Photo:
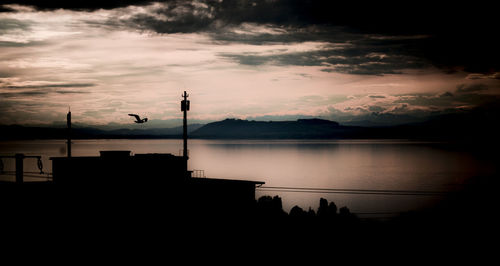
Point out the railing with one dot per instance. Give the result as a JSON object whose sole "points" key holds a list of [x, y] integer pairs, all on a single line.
{"points": [[19, 172], [198, 173]]}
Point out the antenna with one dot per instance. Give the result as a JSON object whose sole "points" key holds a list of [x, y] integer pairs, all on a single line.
{"points": [[68, 122], [184, 108]]}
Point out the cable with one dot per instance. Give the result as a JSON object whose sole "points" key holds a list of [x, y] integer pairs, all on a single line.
{"points": [[353, 191]]}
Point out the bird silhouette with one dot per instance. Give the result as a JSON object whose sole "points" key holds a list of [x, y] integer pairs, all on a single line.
{"points": [[138, 119]]}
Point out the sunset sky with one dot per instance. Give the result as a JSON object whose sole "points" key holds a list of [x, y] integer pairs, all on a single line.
{"points": [[262, 59]]}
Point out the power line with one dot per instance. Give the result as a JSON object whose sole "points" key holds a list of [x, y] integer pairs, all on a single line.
{"points": [[353, 191]]}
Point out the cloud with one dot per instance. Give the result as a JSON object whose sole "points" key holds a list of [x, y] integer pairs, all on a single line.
{"points": [[410, 106], [466, 44], [70, 92], [174, 17], [12, 31], [23, 94], [38, 89], [343, 51], [466, 96], [475, 76], [373, 116], [467, 88], [87, 5], [343, 60], [100, 112], [36, 93], [376, 109], [51, 85], [274, 58], [9, 24], [400, 109], [446, 94]]}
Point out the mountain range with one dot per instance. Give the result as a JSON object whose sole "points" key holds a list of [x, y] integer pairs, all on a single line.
{"points": [[301, 128], [30, 132], [479, 123]]}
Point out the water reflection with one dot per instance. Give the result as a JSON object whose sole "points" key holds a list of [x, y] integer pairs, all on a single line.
{"points": [[352, 164]]}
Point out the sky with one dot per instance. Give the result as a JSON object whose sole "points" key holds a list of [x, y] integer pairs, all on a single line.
{"points": [[259, 60]]}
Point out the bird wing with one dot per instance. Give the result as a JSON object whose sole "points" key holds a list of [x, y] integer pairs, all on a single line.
{"points": [[136, 116]]}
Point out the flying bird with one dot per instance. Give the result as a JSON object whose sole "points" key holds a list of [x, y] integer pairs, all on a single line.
{"points": [[138, 119]]}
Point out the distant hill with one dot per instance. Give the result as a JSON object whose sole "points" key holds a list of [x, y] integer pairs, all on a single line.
{"points": [[27, 132], [478, 124], [300, 129], [154, 131]]}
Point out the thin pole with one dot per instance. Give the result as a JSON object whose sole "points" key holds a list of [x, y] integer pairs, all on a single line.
{"points": [[68, 121], [19, 167], [184, 124]]}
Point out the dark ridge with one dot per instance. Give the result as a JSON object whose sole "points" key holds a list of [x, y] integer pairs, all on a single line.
{"points": [[237, 128], [27, 132], [478, 125], [472, 125]]}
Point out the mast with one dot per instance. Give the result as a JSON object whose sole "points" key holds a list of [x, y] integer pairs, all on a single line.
{"points": [[68, 122], [185, 108]]}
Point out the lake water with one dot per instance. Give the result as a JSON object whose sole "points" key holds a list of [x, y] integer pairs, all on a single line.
{"points": [[338, 164]]}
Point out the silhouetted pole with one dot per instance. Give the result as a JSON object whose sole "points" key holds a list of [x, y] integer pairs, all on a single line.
{"points": [[68, 121], [185, 108], [19, 167]]}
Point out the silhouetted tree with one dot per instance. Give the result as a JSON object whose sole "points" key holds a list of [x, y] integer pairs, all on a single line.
{"points": [[329, 215], [268, 206], [323, 208], [311, 212], [344, 212], [277, 203], [296, 211], [326, 210], [332, 209], [346, 217]]}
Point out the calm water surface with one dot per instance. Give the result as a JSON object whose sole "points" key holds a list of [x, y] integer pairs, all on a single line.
{"points": [[348, 164]]}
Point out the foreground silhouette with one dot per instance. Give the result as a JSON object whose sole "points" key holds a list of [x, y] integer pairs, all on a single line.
{"points": [[173, 215]]}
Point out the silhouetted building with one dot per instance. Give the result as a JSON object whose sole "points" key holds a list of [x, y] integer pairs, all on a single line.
{"points": [[158, 177], [152, 180], [114, 167]]}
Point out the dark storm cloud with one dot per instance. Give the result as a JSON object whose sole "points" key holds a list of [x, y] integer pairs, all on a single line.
{"points": [[24, 93], [466, 95], [36, 93], [356, 60], [446, 100], [87, 5], [14, 91], [71, 92], [376, 109], [65, 85], [459, 36], [349, 52], [476, 76], [8, 24], [182, 19], [284, 34], [466, 88], [19, 44], [446, 94], [452, 41]]}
